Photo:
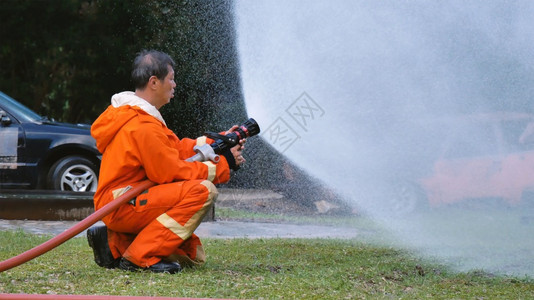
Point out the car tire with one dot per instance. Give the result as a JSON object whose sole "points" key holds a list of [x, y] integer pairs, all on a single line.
{"points": [[406, 198], [73, 173]]}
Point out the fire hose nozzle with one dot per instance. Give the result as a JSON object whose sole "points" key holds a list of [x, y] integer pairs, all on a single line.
{"points": [[249, 128], [204, 153]]}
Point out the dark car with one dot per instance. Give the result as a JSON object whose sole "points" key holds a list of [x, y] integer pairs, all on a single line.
{"points": [[39, 153]]}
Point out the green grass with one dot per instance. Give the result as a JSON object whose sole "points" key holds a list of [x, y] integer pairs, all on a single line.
{"points": [[497, 239], [258, 269]]}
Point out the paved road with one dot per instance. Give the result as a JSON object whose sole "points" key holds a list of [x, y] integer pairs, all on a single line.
{"points": [[216, 229]]}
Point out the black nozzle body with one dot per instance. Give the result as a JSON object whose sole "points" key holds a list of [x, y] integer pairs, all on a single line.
{"points": [[249, 128]]}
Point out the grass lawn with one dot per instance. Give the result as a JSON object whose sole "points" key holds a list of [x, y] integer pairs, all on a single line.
{"points": [[258, 269]]}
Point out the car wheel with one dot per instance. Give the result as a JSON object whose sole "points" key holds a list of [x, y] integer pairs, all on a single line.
{"points": [[405, 198], [73, 173]]}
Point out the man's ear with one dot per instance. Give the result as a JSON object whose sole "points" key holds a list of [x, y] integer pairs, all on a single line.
{"points": [[152, 82]]}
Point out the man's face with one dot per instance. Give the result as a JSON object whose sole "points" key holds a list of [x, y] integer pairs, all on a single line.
{"points": [[166, 88]]}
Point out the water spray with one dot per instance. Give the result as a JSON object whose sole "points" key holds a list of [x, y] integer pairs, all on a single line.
{"points": [[207, 152]]}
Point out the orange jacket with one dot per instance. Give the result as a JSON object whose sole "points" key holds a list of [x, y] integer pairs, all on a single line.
{"points": [[137, 145]]}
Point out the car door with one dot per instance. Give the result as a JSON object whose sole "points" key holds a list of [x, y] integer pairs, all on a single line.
{"points": [[12, 171], [517, 174], [470, 166]]}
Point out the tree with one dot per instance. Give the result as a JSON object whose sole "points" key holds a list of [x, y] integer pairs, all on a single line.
{"points": [[65, 59], [70, 70]]}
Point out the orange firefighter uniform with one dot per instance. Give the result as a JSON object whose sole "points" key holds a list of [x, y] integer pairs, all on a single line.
{"points": [[159, 223]]}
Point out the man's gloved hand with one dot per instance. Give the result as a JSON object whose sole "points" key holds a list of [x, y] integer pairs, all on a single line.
{"points": [[236, 152]]}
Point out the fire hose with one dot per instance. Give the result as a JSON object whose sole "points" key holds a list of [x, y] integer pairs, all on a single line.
{"points": [[205, 152]]}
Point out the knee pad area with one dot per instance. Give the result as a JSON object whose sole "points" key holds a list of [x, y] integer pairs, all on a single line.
{"points": [[212, 190]]}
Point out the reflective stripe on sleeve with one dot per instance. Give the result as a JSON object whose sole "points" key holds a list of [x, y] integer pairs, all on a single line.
{"points": [[212, 170], [201, 140]]}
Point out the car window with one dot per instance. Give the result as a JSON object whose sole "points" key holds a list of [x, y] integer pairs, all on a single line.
{"points": [[472, 140], [513, 135], [18, 109]]}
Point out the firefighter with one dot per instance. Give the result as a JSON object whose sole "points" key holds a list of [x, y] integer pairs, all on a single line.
{"points": [[154, 231]]}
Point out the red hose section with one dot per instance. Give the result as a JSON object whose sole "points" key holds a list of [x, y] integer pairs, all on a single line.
{"points": [[82, 297], [74, 230]]}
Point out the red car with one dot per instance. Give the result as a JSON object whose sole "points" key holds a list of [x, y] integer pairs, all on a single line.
{"points": [[485, 156]]}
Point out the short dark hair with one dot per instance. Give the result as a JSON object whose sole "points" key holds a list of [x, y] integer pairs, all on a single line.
{"points": [[150, 63]]}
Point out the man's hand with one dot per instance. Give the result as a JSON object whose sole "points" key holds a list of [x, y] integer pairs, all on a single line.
{"points": [[237, 150]]}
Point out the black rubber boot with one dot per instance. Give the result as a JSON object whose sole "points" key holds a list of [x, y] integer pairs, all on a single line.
{"points": [[160, 267], [97, 237]]}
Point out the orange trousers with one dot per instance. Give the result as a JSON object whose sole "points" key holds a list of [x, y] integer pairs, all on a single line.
{"points": [[161, 223]]}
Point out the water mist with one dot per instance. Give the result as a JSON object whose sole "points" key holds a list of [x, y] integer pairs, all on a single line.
{"points": [[354, 92]]}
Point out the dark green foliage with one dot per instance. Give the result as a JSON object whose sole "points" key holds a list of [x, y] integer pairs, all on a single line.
{"points": [[65, 59]]}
